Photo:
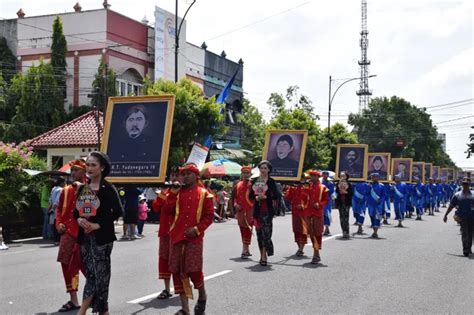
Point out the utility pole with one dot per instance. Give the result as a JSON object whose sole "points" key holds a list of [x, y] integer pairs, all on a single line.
{"points": [[177, 31], [329, 107]]}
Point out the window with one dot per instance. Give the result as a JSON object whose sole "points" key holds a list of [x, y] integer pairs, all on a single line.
{"points": [[125, 87]]}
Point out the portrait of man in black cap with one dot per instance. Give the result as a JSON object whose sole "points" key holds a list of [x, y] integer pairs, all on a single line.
{"points": [[283, 163], [378, 163]]}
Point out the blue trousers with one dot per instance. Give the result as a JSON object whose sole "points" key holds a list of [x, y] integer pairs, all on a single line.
{"points": [[327, 213], [359, 210], [47, 232], [430, 201], [375, 213], [387, 210], [399, 206], [418, 203]]}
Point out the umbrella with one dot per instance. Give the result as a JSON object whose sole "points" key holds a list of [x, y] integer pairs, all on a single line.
{"points": [[220, 168]]}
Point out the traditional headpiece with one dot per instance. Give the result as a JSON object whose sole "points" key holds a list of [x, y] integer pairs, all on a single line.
{"points": [[375, 175], [191, 168], [246, 168], [314, 173], [79, 163]]}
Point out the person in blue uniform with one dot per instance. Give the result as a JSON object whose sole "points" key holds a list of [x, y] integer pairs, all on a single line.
{"points": [[419, 197], [376, 203], [444, 199], [411, 201], [386, 209], [439, 194], [430, 196], [359, 204], [400, 193], [328, 209]]}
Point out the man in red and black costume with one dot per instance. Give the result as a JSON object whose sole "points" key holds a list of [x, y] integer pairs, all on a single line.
{"points": [[163, 234], [67, 227], [243, 207], [193, 211], [298, 197], [318, 198]]}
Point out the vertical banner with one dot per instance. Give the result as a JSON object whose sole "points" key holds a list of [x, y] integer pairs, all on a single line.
{"points": [[198, 155]]}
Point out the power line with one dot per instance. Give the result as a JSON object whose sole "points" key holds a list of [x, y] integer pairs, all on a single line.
{"points": [[442, 122]]}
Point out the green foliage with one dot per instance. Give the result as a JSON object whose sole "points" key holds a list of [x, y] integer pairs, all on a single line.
{"points": [[387, 120], [103, 86], [194, 115], [7, 61], [299, 115], [18, 190], [253, 132], [338, 134], [58, 55], [38, 103]]}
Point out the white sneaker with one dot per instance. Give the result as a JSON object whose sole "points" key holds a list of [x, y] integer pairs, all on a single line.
{"points": [[3, 246], [138, 236]]}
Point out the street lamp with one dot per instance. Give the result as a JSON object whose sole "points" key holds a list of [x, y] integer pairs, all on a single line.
{"points": [[176, 37], [331, 96]]}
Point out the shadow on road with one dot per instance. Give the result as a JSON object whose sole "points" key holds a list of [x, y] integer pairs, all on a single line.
{"points": [[462, 256], [258, 268], [159, 304]]}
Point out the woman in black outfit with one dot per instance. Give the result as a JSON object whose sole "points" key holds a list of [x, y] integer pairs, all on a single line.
{"points": [[97, 207], [264, 191], [343, 202]]}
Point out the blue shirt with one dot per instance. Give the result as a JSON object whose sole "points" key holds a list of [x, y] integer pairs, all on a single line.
{"points": [[402, 189], [362, 189], [379, 190], [464, 204], [419, 190]]}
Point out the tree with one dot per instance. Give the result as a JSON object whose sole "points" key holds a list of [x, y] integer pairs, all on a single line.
{"points": [[58, 55], [300, 116], [253, 130], [338, 134], [387, 121], [3, 107], [103, 86], [38, 103], [7, 61], [195, 116]]}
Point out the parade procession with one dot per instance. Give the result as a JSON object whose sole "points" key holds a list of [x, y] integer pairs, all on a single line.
{"points": [[138, 175]]}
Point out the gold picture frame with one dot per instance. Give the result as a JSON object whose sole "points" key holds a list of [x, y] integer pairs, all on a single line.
{"points": [[290, 167], [133, 147], [386, 156], [428, 166], [394, 168], [421, 166], [436, 170], [354, 168]]}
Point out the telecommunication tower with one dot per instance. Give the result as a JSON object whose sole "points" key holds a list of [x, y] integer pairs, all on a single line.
{"points": [[364, 93]]}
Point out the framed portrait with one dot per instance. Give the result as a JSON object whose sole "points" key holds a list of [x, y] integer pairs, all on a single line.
{"points": [[460, 175], [285, 149], [444, 173], [418, 171], [450, 175], [402, 167], [352, 159], [436, 172], [428, 171], [136, 137], [379, 163]]}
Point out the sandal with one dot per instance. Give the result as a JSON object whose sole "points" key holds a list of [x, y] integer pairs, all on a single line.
{"points": [[263, 263], [316, 259], [165, 294], [200, 307], [244, 256], [181, 312], [69, 306], [299, 253]]}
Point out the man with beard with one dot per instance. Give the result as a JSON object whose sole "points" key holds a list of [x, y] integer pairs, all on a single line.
{"points": [[68, 228], [351, 166], [134, 145]]}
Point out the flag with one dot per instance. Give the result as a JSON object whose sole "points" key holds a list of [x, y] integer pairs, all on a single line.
{"points": [[226, 90]]}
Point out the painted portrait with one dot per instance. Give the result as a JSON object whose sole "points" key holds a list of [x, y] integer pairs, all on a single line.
{"points": [[450, 174], [428, 171], [444, 174], [436, 172], [136, 137], [379, 163], [403, 168], [285, 149], [418, 172], [352, 159]]}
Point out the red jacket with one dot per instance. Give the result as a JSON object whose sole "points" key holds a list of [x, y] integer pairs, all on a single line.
{"points": [[165, 217], [318, 199], [66, 206], [298, 197], [191, 208], [241, 197]]}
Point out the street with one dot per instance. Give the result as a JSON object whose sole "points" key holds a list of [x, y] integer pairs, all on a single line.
{"points": [[416, 269]]}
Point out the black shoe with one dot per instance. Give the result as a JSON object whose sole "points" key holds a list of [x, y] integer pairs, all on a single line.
{"points": [[200, 307], [466, 254], [400, 225], [374, 235], [360, 230]]}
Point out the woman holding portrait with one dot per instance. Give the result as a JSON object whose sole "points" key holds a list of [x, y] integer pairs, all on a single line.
{"points": [[265, 192]]}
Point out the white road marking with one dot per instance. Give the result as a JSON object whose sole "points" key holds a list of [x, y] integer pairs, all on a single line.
{"points": [[154, 295], [18, 252], [28, 239], [325, 239]]}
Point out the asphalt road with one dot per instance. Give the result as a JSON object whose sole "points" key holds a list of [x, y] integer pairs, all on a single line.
{"points": [[417, 269]]}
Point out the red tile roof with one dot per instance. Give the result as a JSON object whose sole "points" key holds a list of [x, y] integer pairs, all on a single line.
{"points": [[79, 132]]}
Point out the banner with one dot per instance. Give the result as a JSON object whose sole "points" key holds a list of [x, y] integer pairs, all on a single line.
{"points": [[198, 155]]}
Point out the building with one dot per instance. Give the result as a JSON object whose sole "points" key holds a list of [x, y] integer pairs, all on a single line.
{"points": [[133, 49]]}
